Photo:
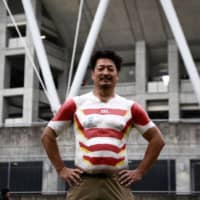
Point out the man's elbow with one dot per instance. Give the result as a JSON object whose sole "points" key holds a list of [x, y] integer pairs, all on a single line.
{"points": [[161, 142], [47, 134], [43, 137]]}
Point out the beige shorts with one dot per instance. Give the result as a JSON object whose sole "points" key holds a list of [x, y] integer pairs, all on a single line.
{"points": [[99, 188]]}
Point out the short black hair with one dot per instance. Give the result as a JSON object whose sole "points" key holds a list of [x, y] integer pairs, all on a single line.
{"points": [[106, 54]]}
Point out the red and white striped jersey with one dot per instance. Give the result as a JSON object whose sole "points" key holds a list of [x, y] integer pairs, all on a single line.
{"points": [[101, 129]]}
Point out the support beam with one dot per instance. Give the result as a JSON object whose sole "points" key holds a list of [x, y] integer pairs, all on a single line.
{"points": [[182, 45], [89, 46], [75, 45], [174, 83], [42, 57], [141, 55]]}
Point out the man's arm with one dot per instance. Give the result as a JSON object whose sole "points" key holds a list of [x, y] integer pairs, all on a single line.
{"points": [[49, 142], [155, 145], [48, 139]]}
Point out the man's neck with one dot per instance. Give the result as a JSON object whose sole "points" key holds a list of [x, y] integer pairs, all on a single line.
{"points": [[104, 94]]}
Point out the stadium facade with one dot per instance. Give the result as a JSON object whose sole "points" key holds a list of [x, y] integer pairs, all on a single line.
{"points": [[153, 74]]}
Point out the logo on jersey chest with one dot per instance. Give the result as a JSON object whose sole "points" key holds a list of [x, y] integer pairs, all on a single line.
{"points": [[105, 111]]}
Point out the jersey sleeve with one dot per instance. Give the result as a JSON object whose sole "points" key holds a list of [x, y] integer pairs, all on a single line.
{"points": [[64, 117], [140, 118]]}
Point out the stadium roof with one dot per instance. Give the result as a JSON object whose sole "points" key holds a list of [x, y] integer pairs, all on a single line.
{"points": [[126, 22]]}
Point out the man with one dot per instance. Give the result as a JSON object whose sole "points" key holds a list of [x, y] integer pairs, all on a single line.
{"points": [[102, 120], [5, 194]]}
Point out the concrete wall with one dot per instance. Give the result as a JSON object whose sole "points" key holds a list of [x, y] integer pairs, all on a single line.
{"points": [[182, 144], [137, 197]]}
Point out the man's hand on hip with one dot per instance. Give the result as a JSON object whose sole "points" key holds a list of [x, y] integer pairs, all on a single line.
{"points": [[127, 177], [70, 175]]}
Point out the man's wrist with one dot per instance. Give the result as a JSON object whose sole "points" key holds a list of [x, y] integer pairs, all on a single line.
{"points": [[59, 169], [141, 171]]}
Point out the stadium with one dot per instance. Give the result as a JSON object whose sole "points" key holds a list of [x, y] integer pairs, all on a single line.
{"points": [[45, 48]]}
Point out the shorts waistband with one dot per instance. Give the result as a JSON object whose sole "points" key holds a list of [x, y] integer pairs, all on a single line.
{"points": [[96, 175]]}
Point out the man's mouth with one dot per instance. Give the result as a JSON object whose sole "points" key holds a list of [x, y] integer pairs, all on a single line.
{"points": [[105, 78]]}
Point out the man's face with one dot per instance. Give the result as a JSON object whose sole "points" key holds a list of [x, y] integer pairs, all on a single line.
{"points": [[105, 74]]}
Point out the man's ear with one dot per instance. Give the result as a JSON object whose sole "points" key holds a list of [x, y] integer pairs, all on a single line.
{"points": [[117, 78], [92, 74]]}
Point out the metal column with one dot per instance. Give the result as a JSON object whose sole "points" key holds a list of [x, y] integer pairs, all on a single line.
{"points": [[75, 45], [87, 51], [42, 57], [182, 45]]}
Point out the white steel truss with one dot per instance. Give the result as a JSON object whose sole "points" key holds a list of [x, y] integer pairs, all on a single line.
{"points": [[75, 45], [182, 45], [88, 48], [42, 57]]}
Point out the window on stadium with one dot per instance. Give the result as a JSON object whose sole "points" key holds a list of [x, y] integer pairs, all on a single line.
{"points": [[160, 178], [3, 175], [21, 176], [15, 70], [16, 7], [195, 173]]}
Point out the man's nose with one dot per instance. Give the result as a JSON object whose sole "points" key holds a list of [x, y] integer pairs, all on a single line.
{"points": [[105, 71]]}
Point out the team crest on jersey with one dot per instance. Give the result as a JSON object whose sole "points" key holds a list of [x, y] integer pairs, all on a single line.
{"points": [[90, 122]]}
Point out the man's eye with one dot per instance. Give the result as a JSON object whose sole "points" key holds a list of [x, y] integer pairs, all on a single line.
{"points": [[100, 68], [111, 69]]}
